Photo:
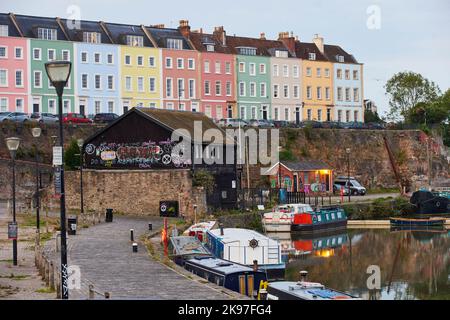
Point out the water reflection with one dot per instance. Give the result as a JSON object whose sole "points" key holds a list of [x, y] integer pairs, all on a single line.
{"points": [[414, 264]]}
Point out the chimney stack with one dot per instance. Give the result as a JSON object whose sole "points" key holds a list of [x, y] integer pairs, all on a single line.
{"points": [[288, 40], [262, 36], [318, 41], [220, 33], [184, 28]]}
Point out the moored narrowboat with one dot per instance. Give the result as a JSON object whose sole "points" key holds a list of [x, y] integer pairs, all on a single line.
{"points": [[246, 247], [185, 247], [322, 220], [233, 276], [421, 222]]}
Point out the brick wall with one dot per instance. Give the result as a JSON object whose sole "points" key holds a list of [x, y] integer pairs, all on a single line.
{"points": [[133, 191]]}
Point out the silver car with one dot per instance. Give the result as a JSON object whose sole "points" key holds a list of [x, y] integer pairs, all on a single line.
{"points": [[44, 117], [233, 123], [14, 117]]}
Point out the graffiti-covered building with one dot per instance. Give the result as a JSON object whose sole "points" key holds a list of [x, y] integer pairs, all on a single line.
{"points": [[156, 139]]}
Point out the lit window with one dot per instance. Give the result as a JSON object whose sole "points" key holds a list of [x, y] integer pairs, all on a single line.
{"points": [[92, 37], [135, 41], [176, 44], [47, 34]]}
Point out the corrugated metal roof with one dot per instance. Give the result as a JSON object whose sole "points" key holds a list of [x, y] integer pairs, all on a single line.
{"points": [[311, 165]]}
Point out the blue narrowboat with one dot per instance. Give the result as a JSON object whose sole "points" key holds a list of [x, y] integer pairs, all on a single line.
{"points": [[302, 290], [413, 222], [233, 276]]}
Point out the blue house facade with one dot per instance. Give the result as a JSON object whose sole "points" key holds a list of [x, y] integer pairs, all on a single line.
{"points": [[97, 82]]}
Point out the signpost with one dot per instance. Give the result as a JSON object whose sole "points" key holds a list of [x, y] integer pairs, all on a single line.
{"points": [[12, 230], [57, 155], [57, 181]]}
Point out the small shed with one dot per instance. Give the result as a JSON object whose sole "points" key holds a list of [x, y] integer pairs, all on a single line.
{"points": [[302, 176]]}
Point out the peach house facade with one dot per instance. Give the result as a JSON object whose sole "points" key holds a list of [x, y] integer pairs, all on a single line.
{"points": [[14, 74]]}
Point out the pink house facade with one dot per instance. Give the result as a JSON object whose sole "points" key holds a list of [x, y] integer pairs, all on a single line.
{"points": [[14, 73], [179, 80]]}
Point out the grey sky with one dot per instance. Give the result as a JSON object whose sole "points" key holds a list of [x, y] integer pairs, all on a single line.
{"points": [[414, 35]]}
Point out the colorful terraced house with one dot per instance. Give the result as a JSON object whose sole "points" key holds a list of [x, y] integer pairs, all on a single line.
{"points": [[14, 70], [119, 66]]}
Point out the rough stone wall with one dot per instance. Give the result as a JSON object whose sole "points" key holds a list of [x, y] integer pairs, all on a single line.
{"points": [[135, 192]]}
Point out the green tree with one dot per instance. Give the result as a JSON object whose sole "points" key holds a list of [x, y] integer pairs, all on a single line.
{"points": [[71, 156], [408, 89], [370, 116]]}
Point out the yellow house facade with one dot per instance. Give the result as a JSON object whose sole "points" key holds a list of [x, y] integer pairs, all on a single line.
{"points": [[317, 83], [140, 75]]}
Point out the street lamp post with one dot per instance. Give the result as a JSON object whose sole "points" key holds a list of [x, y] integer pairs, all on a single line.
{"points": [[348, 150], [80, 143], [13, 145], [58, 72], [36, 132]]}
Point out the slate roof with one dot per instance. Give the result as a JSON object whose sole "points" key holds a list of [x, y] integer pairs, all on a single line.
{"points": [[263, 47], [310, 165], [332, 51], [160, 35], [5, 20], [199, 41], [302, 50], [29, 25], [120, 31], [89, 26]]}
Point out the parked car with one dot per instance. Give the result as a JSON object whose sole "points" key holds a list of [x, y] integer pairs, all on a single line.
{"points": [[44, 117], [375, 126], [355, 187], [312, 124], [105, 117], [75, 118], [232, 123], [337, 189], [282, 124], [14, 117], [260, 123]]}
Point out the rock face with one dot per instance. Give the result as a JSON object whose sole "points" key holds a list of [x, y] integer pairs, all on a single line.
{"points": [[369, 158]]}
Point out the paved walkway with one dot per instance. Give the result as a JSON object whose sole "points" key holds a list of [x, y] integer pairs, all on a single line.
{"points": [[104, 254]]}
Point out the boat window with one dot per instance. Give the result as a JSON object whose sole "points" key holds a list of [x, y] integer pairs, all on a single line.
{"points": [[319, 218], [339, 214], [332, 215], [242, 285], [327, 217]]}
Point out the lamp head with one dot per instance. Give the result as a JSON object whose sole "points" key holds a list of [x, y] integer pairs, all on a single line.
{"points": [[58, 72], [12, 143], [36, 132], [80, 143]]}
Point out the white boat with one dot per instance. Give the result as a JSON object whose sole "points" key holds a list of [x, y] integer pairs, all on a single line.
{"points": [[303, 290], [282, 217], [246, 246], [198, 230]]}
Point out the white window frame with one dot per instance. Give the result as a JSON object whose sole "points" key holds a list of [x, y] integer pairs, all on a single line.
{"points": [[327, 93], [150, 81], [242, 89], [218, 67], [228, 88], [169, 80], [99, 104], [21, 53], [48, 54], [142, 60], [95, 81], [81, 57], [6, 52], [191, 62], [66, 101], [110, 54], [319, 93], [308, 71], [285, 71], [6, 105], [150, 59], [168, 59], [68, 54], [50, 108], [87, 81], [125, 60], [309, 92], [227, 67], [276, 70], [140, 84], [252, 85], [21, 76], [207, 88], [262, 68], [218, 85], [296, 92], [40, 54], [111, 102], [276, 91], [23, 102], [181, 88], [112, 82], [40, 79], [178, 63], [312, 56], [191, 88], [242, 64], [206, 67], [252, 69], [130, 88], [286, 91], [263, 93], [296, 71]]}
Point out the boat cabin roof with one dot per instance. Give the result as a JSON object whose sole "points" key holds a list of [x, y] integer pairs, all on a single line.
{"points": [[241, 236], [201, 226], [184, 245], [309, 290], [218, 265], [296, 206]]}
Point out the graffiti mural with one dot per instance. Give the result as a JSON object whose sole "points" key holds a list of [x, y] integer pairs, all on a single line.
{"points": [[145, 155]]}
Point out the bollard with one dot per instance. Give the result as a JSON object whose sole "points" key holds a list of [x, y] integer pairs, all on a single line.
{"points": [[132, 234], [91, 291], [150, 227], [135, 247], [109, 215], [52, 276], [107, 295]]}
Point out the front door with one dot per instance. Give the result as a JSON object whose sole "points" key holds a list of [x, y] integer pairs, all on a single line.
{"points": [[82, 109], [297, 115], [264, 112], [295, 186], [230, 112], [35, 107]]}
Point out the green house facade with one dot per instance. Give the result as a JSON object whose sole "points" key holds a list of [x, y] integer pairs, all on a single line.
{"points": [[253, 87], [43, 94]]}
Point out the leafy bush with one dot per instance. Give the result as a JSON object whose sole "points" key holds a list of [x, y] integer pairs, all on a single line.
{"points": [[71, 156]]}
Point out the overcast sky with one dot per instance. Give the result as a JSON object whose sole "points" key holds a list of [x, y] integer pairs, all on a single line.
{"points": [[411, 35]]}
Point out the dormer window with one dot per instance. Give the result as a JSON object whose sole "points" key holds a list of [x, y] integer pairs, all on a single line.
{"points": [[135, 41], [176, 44], [47, 34], [340, 58], [210, 47], [281, 54], [92, 37], [4, 30], [247, 51], [312, 56]]}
